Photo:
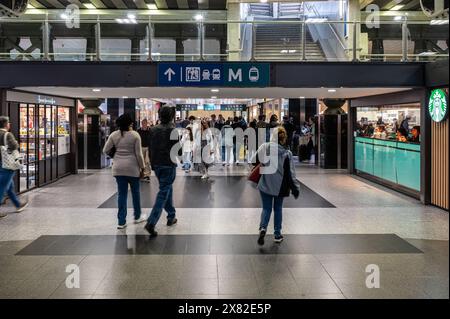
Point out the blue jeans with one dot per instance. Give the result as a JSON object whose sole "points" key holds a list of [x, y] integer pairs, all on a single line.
{"points": [[226, 153], [187, 156], [7, 186], [269, 202], [164, 200], [122, 186]]}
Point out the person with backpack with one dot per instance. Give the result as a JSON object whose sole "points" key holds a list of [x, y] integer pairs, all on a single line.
{"points": [[124, 146], [9, 144]]}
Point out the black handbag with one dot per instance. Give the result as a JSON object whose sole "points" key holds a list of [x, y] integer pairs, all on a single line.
{"points": [[113, 150]]}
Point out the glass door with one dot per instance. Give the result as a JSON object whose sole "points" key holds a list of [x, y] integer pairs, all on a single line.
{"points": [[27, 143]]}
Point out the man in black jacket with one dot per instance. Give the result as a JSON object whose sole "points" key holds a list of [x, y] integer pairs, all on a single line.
{"points": [[165, 169]]}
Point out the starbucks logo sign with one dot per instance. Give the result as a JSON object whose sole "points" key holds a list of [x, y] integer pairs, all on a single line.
{"points": [[438, 105]]}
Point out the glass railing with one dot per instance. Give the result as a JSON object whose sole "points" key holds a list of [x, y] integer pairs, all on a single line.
{"points": [[218, 40]]}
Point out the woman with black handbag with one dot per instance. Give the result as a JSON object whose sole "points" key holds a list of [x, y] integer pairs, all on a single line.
{"points": [[124, 146], [276, 179], [9, 144]]}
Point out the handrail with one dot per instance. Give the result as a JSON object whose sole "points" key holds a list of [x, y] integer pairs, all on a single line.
{"points": [[316, 12], [143, 21], [243, 36]]}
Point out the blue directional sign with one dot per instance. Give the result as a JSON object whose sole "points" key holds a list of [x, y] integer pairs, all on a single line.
{"points": [[214, 74]]}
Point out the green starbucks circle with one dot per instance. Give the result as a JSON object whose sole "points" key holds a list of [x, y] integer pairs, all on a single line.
{"points": [[437, 105]]}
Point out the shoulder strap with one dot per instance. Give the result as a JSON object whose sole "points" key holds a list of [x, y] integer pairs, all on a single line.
{"points": [[5, 139]]}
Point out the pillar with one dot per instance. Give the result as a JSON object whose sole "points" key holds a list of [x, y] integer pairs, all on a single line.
{"points": [[3, 103], [135, 49], [354, 14], [179, 49], [234, 32]]}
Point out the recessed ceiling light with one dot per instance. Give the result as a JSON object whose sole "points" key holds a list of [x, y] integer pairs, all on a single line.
{"points": [[397, 7], [198, 17], [152, 6], [263, 1], [331, 90], [89, 6], [96, 90], [214, 90]]}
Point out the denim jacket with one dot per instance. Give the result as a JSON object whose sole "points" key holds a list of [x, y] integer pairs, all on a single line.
{"points": [[270, 183]]}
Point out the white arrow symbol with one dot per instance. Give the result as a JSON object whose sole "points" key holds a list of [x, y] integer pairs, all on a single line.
{"points": [[169, 72]]}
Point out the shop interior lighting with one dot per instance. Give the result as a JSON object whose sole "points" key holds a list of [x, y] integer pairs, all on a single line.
{"points": [[152, 6], [30, 6], [89, 6], [63, 16], [96, 90], [214, 90], [263, 1], [398, 18], [331, 90], [198, 17]]}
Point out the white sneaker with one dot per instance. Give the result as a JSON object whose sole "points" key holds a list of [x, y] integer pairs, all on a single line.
{"points": [[122, 226], [141, 219], [205, 176], [3, 215], [22, 207]]}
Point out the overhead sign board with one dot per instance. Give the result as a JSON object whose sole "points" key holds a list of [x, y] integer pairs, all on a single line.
{"points": [[186, 107], [214, 74], [233, 107]]}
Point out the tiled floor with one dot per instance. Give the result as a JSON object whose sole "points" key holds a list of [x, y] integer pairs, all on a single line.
{"points": [[342, 225]]}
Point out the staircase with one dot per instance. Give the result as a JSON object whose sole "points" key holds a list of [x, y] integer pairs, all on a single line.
{"points": [[282, 42], [261, 10], [290, 10]]}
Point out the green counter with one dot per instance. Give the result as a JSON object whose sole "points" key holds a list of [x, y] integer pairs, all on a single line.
{"points": [[393, 161]]}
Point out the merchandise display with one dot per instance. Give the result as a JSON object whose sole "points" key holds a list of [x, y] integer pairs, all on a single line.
{"points": [[44, 134]]}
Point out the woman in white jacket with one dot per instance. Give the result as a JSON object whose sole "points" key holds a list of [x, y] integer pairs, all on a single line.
{"points": [[203, 149], [187, 141]]}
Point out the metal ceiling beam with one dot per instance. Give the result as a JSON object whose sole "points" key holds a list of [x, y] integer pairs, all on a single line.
{"points": [[119, 4]]}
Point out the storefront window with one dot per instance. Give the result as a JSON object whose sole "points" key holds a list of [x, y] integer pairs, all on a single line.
{"points": [[400, 123], [63, 130], [387, 144], [27, 140]]}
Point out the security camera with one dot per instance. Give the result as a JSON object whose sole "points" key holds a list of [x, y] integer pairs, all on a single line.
{"points": [[12, 8]]}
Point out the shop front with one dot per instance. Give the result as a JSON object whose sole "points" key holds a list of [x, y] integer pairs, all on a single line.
{"points": [[386, 140], [44, 127], [440, 140]]}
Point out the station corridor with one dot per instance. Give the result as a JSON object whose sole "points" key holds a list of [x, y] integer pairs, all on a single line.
{"points": [[338, 226]]}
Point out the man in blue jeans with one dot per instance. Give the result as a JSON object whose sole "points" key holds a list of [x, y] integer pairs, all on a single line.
{"points": [[160, 146]]}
